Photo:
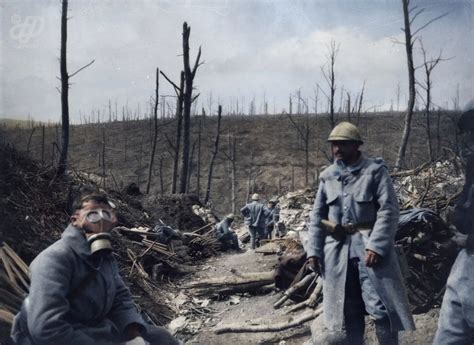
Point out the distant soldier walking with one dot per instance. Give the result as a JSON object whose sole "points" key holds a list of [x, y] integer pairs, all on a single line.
{"points": [[273, 216], [351, 241], [254, 217], [456, 319]]}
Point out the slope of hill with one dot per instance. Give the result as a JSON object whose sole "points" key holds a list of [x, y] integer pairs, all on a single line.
{"points": [[270, 157]]}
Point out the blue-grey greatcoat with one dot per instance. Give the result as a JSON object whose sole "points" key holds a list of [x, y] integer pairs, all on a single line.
{"points": [[98, 315], [456, 319], [255, 214], [364, 196]]}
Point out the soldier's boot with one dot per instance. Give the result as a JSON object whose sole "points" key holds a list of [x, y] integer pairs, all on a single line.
{"points": [[385, 336], [252, 242]]}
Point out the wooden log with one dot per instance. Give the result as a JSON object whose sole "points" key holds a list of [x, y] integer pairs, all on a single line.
{"points": [[293, 289], [312, 300], [6, 316], [202, 228], [256, 326], [257, 287], [21, 264], [244, 278]]}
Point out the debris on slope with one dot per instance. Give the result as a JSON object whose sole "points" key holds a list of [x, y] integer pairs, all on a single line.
{"points": [[295, 208], [435, 186]]}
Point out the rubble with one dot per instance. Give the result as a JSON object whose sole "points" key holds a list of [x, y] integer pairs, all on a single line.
{"points": [[435, 186], [295, 208]]}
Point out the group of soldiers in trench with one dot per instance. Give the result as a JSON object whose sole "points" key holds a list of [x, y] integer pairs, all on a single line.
{"points": [[261, 221], [77, 296]]}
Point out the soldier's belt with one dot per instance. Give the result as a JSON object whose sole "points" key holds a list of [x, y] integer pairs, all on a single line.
{"points": [[350, 229]]}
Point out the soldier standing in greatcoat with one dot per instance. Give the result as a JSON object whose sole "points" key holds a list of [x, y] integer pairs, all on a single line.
{"points": [[358, 264]]}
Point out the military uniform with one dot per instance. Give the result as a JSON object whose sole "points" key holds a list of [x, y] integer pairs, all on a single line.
{"points": [[273, 216], [456, 320], [62, 309], [254, 217], [359, 194], [225, 235]]}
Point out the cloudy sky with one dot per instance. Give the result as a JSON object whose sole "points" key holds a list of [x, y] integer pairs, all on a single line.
{"points": [[258, 49]]}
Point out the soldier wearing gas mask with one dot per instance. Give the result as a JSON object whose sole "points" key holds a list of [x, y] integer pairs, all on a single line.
{"points": [[77, 295], [456, 320]]}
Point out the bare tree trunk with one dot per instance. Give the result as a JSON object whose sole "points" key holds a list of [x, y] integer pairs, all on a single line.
{"points": [[139, 170], [231, 156], [306, 151], [198, 173], [304, 135], [162, 186], [103, 158], [190, 170], [427, 114], [42, 144], [155, 130], [214, 154], [110, 111], [249, 176], [330, 77], [188, 99], [438, 134], [411, 88], [409, 41], [29, 140], [292, 178], [62, 164], [429, 66], [179, 116]]}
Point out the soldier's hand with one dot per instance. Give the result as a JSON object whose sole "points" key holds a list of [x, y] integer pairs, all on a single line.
{"points": [[313, 264], [372, 258]]}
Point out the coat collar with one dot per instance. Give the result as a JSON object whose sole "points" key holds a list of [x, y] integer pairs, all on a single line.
{"points": [[75, 239], [354, 168]]}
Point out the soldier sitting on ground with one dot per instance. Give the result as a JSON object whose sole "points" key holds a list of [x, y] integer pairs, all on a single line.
{"points": [[77, 296], [226, 235]]}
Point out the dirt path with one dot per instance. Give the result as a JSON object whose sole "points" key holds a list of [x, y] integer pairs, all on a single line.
{"points": [[241, 307]]}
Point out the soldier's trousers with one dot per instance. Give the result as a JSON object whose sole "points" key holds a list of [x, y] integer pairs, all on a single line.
{"points": [[256, 233], [229, 240], [361, 297], [456, 319]]}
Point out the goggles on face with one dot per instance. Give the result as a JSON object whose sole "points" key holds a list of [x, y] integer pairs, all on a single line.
{"points": [[95, 216]]}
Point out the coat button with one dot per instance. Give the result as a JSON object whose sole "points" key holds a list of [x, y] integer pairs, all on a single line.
{"points": [[345, 207], [345, 194]]}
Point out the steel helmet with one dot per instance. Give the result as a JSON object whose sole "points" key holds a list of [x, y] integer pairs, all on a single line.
{"points": [[345, 131], [230, 216], [255, 196]]}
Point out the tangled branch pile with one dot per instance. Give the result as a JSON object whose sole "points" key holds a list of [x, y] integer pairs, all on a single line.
{"points": [[435, 186]]}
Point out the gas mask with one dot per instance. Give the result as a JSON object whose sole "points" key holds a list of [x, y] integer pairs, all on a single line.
{"points": [[97, 223], [100, 243]]}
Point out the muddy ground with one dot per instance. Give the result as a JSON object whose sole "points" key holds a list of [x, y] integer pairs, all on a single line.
{"points": [[242, 307]]}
